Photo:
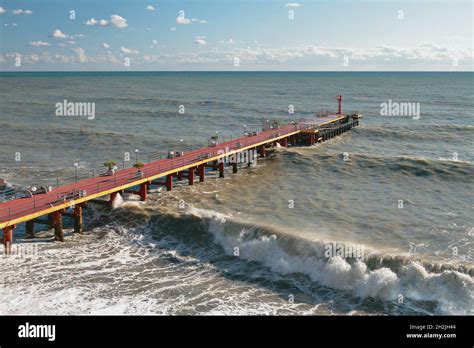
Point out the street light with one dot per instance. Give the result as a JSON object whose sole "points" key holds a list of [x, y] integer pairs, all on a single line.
{"points": [[32, 191], [181, 141], [75, 170], [245, 129], [136, 155]]}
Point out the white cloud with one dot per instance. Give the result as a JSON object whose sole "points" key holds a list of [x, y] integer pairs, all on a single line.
{"points": [[91, 21], [58, 34], [230, 41], [21, 11], [71, 42], [196, 20], [105, 45], [183, 20], [128, 50], [39, 43], [425, 56], [81, 55], [118, 21], [2, 10], [293, 4], [200, 40], [79, 35], [150, 8], [262, 55], [172, 29]]}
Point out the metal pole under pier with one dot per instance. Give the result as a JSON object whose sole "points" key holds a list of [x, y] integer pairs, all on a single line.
{"points": [[30, 229], [191, 172], [113, 195], [202, 172], [8, 239], [169, 182], [221, 169], [58, 226], [77, 215], [144, 190]]}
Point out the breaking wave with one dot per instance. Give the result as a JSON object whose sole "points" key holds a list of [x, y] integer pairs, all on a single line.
{"points": [[381, 276]]}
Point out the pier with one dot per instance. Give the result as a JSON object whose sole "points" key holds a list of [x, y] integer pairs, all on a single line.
{"points": [[67, 201]]}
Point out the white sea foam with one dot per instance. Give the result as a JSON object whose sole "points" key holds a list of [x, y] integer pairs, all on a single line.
{"points": [[118, 201]]}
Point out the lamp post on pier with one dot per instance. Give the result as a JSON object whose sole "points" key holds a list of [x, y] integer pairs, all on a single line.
{"points": [[75, 170], [136, 155]]}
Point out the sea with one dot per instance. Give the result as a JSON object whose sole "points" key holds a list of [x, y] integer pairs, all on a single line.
{"points": [[277, 238]]}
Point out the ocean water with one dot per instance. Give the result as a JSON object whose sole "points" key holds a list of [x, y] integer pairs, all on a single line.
{"points": [[175, 254]]}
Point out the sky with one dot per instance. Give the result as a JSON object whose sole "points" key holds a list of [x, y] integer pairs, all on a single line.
{"points": [[236, 35]]}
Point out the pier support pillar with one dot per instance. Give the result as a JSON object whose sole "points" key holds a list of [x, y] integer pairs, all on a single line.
{"points": [[30, 229], [143, 191], [191, 176], [169, 182], [113, 195], [284, 142], [180, 176], [202, 172], [221, 169], [8, 239], [58, 226], [234, 168], [77, 215], [261, 151], [252, 158]]}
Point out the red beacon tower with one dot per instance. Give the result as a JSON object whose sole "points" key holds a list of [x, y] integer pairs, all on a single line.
{"points": [[339, 100]]}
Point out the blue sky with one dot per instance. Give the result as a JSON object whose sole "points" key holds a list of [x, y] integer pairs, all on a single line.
{"points": [[236, 35]]}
